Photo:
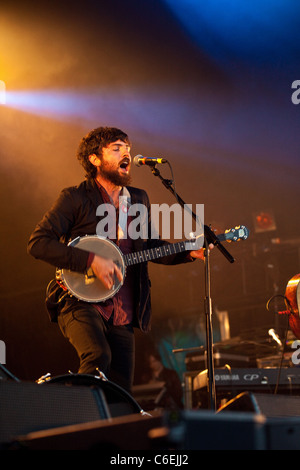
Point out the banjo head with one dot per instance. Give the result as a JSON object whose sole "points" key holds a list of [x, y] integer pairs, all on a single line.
{"points": [[88, 287]]}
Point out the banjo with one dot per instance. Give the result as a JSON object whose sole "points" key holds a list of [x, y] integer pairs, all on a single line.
{"points": [[86, 286]]}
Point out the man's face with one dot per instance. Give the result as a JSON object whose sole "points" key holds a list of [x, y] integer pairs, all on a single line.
{"points": [[115, 163]]}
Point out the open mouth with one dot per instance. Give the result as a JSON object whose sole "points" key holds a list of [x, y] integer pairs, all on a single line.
{"points": [[125, 164]]}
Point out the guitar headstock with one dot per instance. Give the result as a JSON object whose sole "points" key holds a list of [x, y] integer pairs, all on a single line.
{"points": [[236, 234]]}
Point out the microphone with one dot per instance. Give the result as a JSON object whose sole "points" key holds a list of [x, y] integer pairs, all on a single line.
{"points": [[275, 336], [139, 160]]}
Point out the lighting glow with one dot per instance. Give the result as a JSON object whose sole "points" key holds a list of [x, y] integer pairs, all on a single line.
{"points": [[257, 31], [2, 92]]}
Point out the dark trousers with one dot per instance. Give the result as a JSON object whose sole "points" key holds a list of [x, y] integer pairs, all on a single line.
{"points": [[99, 344]]}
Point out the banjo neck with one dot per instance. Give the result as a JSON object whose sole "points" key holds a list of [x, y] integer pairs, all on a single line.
{"points": [[154, 253], [232, 235]]}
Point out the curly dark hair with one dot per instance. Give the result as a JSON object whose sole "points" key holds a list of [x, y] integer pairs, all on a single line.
{"points": [[93, 142]]}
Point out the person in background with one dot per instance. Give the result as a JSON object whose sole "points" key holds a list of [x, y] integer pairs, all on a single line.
{"points": [[171, 395]]}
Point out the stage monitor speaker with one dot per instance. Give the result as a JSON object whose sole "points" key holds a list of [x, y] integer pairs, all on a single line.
{"points": [[206, 430], [28, 407], [280, 412], [269, 405], [234, 430]]}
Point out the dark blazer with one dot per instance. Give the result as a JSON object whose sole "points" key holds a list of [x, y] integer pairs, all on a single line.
{"points": [[74, 215]]}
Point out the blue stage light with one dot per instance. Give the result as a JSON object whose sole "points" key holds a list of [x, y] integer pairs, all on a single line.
{"points": [[265, 32]]}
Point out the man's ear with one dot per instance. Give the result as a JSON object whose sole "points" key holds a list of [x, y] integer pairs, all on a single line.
{"points": [[94, 160]]}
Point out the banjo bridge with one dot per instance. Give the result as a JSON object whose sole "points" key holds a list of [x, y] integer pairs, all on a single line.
{"points": [[89, 277]]}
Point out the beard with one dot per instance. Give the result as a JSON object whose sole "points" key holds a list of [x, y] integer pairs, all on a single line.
{"points": [[114, 177]]}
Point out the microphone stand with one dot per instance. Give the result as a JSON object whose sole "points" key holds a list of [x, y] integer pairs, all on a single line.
{"points": [[209, 238]]}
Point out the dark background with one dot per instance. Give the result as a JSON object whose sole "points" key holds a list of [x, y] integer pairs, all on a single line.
{"points": [[206, 85]]}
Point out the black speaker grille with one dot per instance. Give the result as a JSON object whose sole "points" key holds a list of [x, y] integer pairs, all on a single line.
{"points": [[277, 405], [267, 404], [29, 407]]}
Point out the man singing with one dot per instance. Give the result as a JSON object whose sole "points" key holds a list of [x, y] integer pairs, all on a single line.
{"points": [[102, 333]]}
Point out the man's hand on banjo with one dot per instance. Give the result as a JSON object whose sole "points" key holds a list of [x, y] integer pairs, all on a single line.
{"points": [[199, 254], [106, 270]]}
